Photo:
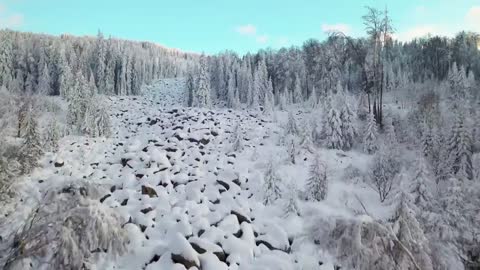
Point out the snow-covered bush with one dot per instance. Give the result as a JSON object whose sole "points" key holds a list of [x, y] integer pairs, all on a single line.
{"points": [[65, 231]]}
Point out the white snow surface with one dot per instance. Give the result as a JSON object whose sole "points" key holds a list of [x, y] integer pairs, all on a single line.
{"points": [[208, 203]]}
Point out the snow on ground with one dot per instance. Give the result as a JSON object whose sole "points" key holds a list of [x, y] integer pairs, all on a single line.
{"points": [[188, 201]]}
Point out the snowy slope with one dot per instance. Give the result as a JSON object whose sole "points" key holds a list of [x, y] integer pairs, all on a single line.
{"points": [[188, 200]]}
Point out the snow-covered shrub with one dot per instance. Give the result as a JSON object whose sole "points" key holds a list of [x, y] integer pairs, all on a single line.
{"points": [[9, 169], [362, 243], [65, 230]]}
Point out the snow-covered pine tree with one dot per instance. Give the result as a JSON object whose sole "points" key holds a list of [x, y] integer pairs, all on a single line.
{"points": [[362, 108], [78, 102], [44, 81], [237, 142], [103, 123], [52, 136], [291, 128], [420, 186], [31, 149], [190, 87], [201, 96], [292, 150], [232, 101], [291, 207], [269, 103], [297, 90], [347, 127], [389, 128], [332, 128], [459, 146], [409, 233], [306, 140], [317, 183], [271, 184], [370, 144], [312, 100], [6, 58]]}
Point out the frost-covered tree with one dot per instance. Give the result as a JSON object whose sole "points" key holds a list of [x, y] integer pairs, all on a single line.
{"points": [[78, 102], [297, 90], [232, 98], [201, 95], [52, 136], [96, 120], [332, 127], [306, 139], [459, 146], [421, 183], [312, 100], [237, 142], [384, 171], [292, 150], [269, 103], [410, 237], [44, 82], [64, 230], [370, 144], [317, 183], [291, 128], [9, 169], [291, 200], [348, 129], [271, 184], [31, 149]]}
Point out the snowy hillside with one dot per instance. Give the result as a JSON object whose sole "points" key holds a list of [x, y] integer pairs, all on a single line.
{"points": [[187, 197]]}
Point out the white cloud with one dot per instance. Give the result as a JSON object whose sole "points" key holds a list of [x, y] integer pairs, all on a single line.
{"points": [[421, 31], [282, 41], [9, 20], [340, 27], [262, 39], [248, 30], [473, 18]]}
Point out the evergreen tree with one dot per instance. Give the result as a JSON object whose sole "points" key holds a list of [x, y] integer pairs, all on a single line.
{"points": [[333, 127], [313, 99], [460, 149], [52, 136], [370, 136], [297, 90], [31, 149], [420, 190], [292, 150], [44, 81], [291, 204], [232, 98], [347, 127], [410, 234], [237, 139], [6, 58], [201, 96], [269, 103], [291, 128], [317, 183], [306, 137], [271, 184]]}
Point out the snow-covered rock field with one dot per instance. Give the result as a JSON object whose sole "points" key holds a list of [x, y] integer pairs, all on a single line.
{"points": [[186, 199]]}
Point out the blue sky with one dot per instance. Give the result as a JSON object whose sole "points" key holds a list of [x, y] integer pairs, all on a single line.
{"points": [[242, 25]]}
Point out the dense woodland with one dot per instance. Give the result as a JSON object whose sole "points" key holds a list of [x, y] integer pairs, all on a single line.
{"points": [[360, 86]]}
